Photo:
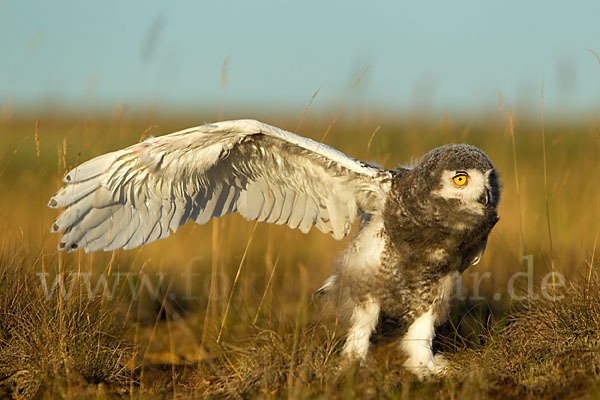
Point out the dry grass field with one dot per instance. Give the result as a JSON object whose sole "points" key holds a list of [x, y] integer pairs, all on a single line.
{"points": [[226, 309]]}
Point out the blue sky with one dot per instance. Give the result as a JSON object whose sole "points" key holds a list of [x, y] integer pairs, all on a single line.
{"points": [[445, 55]]}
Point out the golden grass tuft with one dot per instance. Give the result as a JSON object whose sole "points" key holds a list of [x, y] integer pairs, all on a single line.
{"points": [[48, 346]]}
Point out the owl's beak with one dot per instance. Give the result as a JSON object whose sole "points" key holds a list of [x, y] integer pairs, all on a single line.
{"points": [[485, 197]]}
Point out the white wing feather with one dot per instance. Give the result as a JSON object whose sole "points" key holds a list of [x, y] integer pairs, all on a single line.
{"points": [[139, 194]]}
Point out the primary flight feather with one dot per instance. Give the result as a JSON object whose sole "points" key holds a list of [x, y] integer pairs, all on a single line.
{"points": [[421, 227]]}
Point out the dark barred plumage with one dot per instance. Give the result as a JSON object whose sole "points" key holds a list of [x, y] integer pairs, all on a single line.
{"points": [[429, 239]]}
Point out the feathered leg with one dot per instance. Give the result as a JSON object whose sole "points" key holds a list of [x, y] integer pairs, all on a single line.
{"points": [[417, 341], [364, 320]]}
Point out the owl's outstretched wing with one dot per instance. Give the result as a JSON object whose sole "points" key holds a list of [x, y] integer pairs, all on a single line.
{"points": [[137, 195]]}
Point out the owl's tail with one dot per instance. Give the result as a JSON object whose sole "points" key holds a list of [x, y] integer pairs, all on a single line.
{"points": [[328, 285]]}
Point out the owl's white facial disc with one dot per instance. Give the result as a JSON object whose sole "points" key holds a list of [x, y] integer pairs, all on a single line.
{"points": [[469, 186]]}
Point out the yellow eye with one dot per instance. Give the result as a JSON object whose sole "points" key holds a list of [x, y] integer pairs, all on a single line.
{"points": [[460, 180]]}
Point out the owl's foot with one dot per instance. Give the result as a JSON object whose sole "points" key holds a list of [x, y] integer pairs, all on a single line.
{"points": [[425, 368], [440, 365]]}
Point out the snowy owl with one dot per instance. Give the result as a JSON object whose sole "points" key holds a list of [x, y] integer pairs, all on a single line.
{"points": [[420, 226]]}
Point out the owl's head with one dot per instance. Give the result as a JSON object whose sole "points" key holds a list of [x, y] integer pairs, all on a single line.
{"points": [[461, 172]]}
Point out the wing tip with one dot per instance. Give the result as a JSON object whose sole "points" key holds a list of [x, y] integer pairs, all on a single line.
{"points": [[69, 248], [338, 235], [54, 228]]}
